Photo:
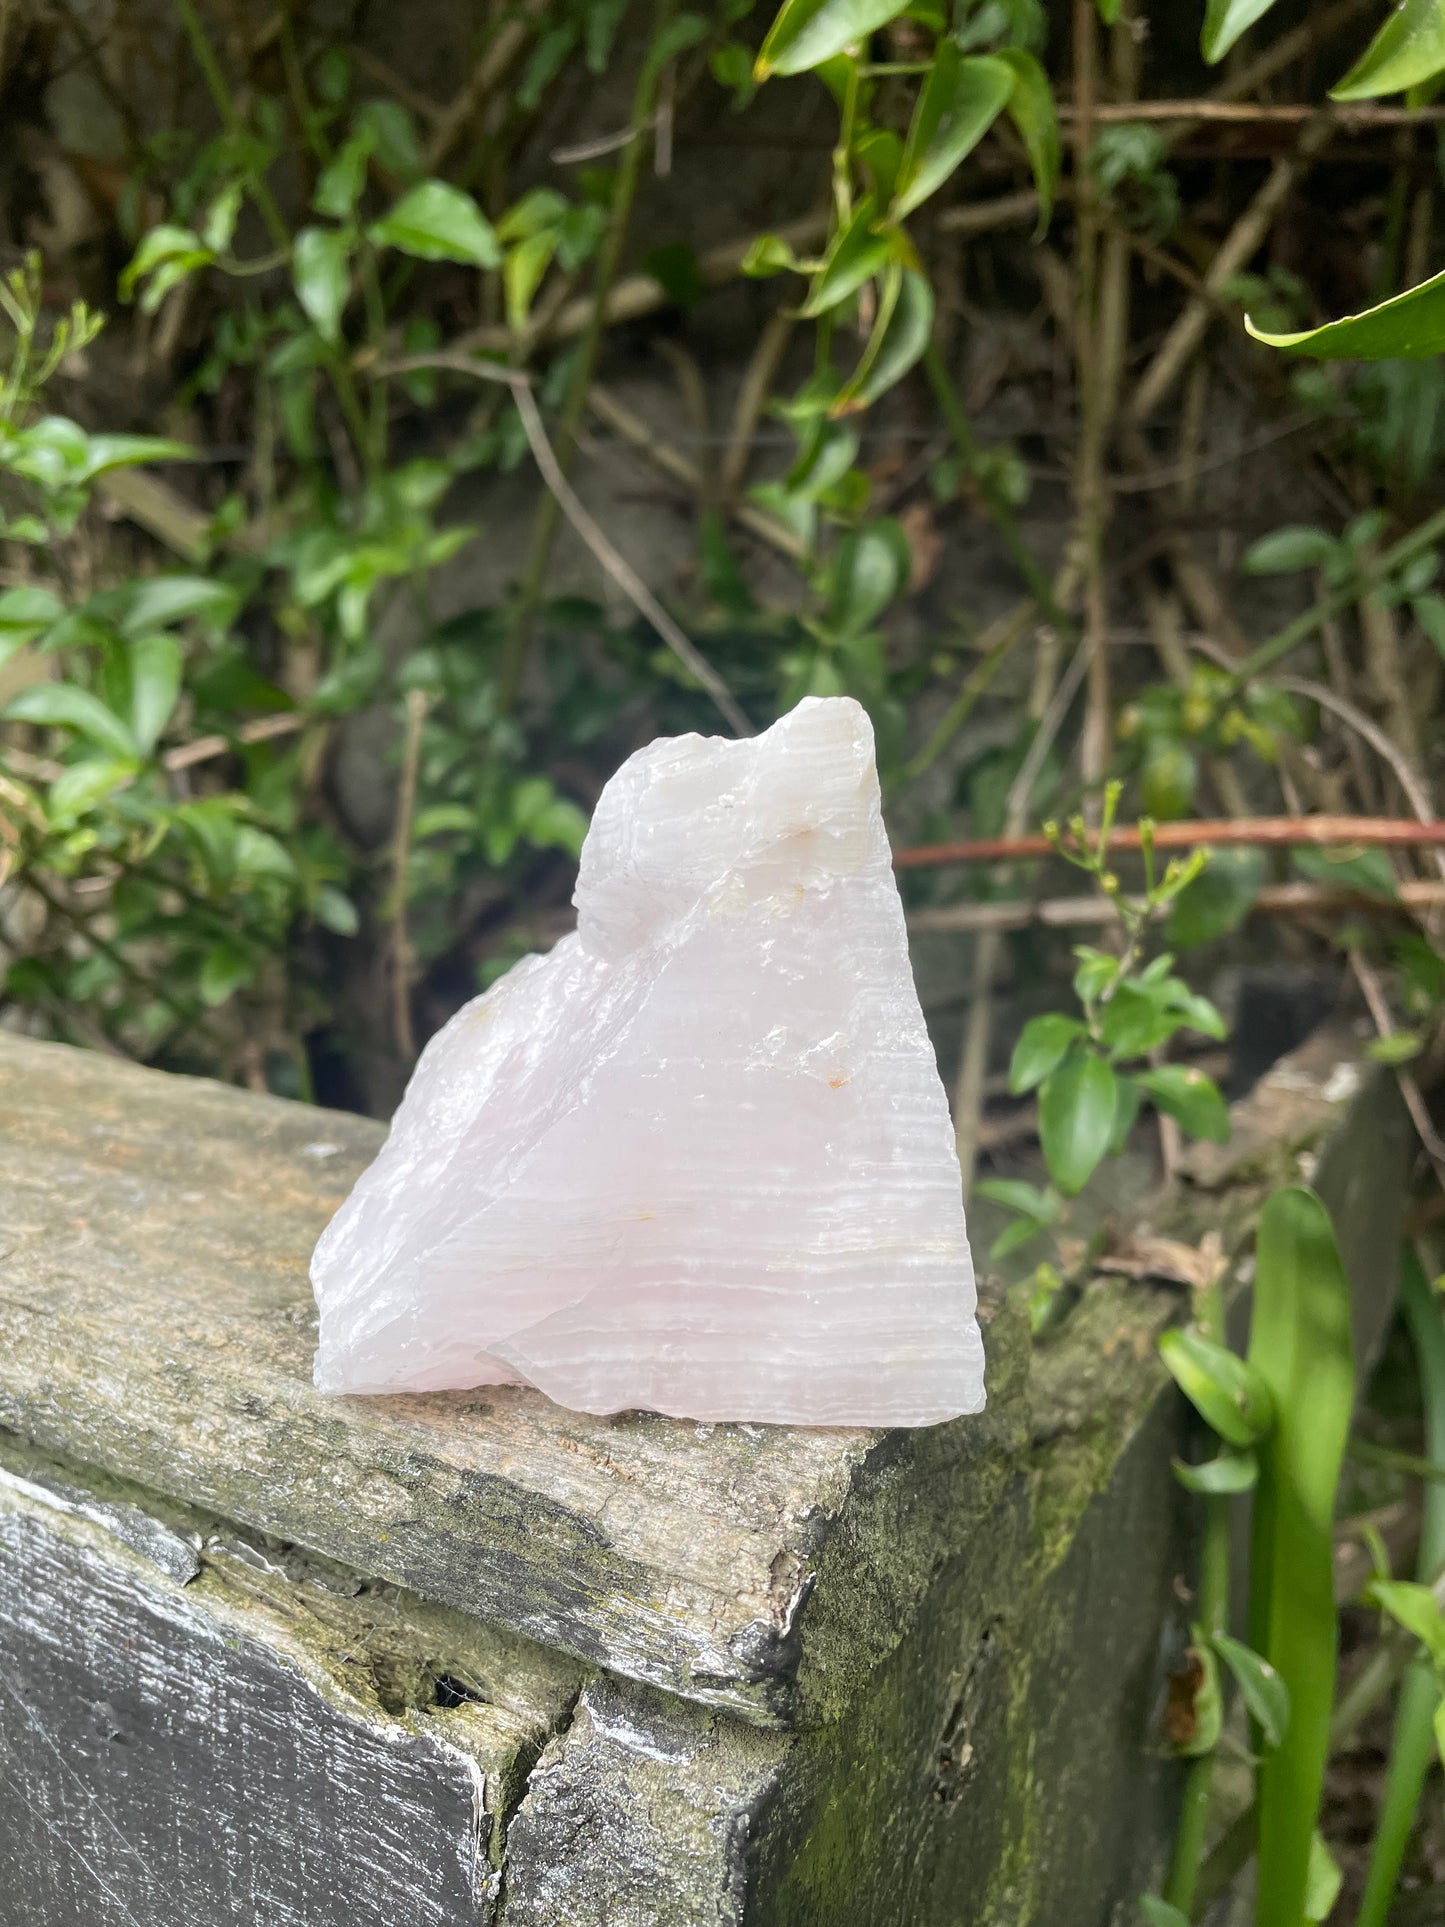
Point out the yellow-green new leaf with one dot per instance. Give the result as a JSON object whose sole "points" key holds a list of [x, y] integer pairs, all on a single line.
{"points": [[1227, 1392], [1407, 327], [960, 101], [1408, 49], [808, 32]]}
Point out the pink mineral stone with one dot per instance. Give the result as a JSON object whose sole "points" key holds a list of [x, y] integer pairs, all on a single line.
{"points": [[697, 1159]]}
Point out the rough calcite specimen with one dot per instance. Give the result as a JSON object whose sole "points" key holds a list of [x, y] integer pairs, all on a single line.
{"points": [[697, 1159]]}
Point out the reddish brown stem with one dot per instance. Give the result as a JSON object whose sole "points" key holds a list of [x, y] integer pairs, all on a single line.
{"points": [[1380, 832]]}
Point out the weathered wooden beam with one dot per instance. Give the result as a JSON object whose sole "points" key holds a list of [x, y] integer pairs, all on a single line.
{"points": [[941, 1654], [189, 1732]]}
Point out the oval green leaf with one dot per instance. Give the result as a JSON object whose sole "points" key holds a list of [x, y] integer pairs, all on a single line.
{"points": [[60, 705], [1227, 1392], [1076, 1118], [899, 339], [1408, 49], [1231, 1472], [857, 254], [438, 222], [1031, 109], [808, 32], [1191, 1098], [155, 684], [1042, 1044], [320, 275], [960, 101]]}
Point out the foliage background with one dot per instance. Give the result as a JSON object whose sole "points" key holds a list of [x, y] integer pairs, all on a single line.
{"points": [[896, 352]]}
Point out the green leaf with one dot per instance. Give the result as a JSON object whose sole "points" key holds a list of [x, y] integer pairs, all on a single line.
{"points": [[869, 568], [1191, 1098], [80, 787], [260, 855], [1260, 1686], [808, 32], [1408, 49], [25, 614], [339, 186], [769, 255], [167, 254], [1323, 1882], [1407, 327], [1096, 973], [899, 340], [1136, 1020], [1159, 1913], [335, 911], [223, 972], [527, 261], [1300, 1343], [961, 99], [155, 680], [1364, 870], [438, 222], [107, 452], [1398, 1048], [1234, 1470], [390, 132], [1013, 1236], [1228, 1393], [1126, 1110], [1027, 1200], [675, 38], [1219, 898], [826, 457], [60, 705], [158, 601], [1285, 550], [1076, 1118], [1225, 21], [1031, 109], [1429, 612], [1041, 1046], [320, 272], [858, 252], [1167, 779], [1416, 1608]]}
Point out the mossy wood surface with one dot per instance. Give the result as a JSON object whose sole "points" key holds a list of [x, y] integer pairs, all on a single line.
{"points": [[934, 1661]]}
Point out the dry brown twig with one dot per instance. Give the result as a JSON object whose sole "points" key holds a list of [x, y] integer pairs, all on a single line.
{"points": [[1412, 898], [618, 568]]}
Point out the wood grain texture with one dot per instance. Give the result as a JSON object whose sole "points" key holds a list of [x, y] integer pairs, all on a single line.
{"points": [[215, 1749], [156, 1320]]}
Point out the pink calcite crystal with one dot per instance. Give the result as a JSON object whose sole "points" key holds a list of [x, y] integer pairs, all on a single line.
{"points": [[696, 1159]]}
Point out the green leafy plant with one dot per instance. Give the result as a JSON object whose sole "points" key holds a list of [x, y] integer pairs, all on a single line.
{"points": [[1281, 1415], [1093, 1071]]}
